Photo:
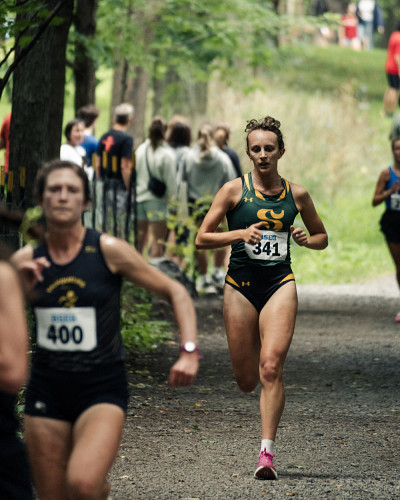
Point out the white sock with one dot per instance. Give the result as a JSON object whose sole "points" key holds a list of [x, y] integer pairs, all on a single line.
{"points": [[267, 445]]}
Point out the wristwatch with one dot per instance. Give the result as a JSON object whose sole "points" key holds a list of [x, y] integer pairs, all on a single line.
{"points": [[189, 347]]}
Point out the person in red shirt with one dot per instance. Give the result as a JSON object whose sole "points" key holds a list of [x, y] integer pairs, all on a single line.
{"points": [[392, 68], [348, 28], [5, 139]]}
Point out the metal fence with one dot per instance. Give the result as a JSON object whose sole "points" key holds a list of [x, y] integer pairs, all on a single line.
{"points": [[112, 208]]}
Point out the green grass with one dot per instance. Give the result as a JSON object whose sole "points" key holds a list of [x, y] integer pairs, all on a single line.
{"points": [[329, 69]]}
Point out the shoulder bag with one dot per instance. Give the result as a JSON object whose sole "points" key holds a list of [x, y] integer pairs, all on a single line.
{"points": [[156, 186]]}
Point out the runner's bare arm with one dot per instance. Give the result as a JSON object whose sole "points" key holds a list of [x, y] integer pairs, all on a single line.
{"points": [[123, 259], [381, 194], [317, 239], [13, 331]]}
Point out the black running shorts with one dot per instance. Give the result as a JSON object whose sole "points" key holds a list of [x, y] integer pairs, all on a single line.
{"points": [[66, 395]]}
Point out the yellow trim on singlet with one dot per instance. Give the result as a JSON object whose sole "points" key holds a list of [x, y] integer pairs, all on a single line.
{"points": [[287, 278], [260, 195], [285, 190], [231, 280], [246, 180]]}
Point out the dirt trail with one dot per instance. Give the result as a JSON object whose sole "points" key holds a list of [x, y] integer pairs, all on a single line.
{"points": [[339, 435]]}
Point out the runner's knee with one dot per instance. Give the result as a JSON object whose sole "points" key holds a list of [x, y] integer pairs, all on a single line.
{"points": [[270, 371], [247, 382], [83, 487]]}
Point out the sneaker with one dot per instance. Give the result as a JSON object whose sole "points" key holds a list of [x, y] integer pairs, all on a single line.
{"points": [[205, 287], [397, 317], [266, 469], [218, 278]]}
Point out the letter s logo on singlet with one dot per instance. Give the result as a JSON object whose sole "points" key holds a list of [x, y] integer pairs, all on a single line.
{"points": [[270, 218]]}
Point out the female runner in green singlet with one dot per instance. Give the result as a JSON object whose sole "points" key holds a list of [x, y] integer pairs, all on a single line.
{"points": [[260, 298]]}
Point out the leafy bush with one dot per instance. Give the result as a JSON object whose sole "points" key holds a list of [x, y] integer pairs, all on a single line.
{"points": [[139, 331]]}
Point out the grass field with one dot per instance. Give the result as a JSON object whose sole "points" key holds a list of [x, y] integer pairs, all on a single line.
{"points": [[329, 101]]}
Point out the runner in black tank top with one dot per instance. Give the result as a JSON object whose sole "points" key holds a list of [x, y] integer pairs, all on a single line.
{"points": [[260, 300], [388, 190], [77, 392]]}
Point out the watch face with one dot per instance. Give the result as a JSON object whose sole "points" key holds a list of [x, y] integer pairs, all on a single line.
{"points": [[189, 346]]}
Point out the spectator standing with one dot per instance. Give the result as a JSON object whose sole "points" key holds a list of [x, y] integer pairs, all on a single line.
{"points": [[118, 146], [208, 168], [156, 158], [221, 138], [72, 149], [392, 69], [370, 19], [89, 115], [5, 142], [179, 138], [348, 36], [114, 160]]}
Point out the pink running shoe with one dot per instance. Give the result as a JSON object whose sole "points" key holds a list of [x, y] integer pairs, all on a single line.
{"points": [[266, 469], [397, 317]]}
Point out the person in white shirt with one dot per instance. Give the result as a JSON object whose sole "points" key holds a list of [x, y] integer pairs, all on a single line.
{"points": [[157, 159], [370, 19], [72, 150]]}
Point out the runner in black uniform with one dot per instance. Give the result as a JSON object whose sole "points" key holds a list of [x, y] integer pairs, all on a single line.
{"points": [[77, 393], [388, 190], [15, 483], [260, 299]]}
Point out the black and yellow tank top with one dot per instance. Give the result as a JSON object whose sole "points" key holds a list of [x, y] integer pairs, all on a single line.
{"points": [[77, 310], [277, 213]]}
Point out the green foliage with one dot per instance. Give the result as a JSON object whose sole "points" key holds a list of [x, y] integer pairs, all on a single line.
{"points": [[139, 332], [32, 217], [186, 225], [20, 20], [186, 35]]}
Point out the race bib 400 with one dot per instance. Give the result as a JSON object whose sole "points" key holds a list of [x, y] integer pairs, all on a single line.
{"points": [[66, 329], [273, 246]]}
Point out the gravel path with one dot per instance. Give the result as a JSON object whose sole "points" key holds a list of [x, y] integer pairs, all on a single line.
{"points": [[339, 435]]}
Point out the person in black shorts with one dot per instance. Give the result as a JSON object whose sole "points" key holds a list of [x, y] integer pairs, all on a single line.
{"points": [[260, 299], [77, 392], [388, 190], [15, 481]]}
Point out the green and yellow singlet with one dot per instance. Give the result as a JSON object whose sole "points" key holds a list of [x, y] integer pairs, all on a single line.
{"points": [[277, 213]]}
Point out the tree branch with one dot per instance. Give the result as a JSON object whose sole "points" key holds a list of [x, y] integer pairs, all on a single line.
{"points": [[42, 28]]}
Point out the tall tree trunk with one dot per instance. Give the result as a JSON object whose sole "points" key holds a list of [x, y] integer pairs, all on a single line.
{"points": [[84, 68], [119, 85], [137, 95], [37, 105]]}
